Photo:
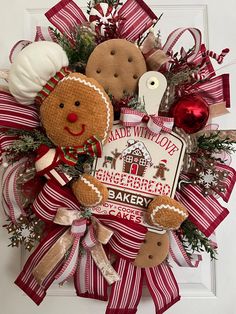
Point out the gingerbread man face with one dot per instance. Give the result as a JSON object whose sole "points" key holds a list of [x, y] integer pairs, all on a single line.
{"points": [[77, 109], [73, 107]]}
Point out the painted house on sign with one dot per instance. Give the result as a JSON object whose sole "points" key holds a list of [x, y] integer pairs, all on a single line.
{"points": [[136, 158]]}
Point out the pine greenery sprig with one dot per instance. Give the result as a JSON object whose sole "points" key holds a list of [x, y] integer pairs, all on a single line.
{"points": [[27, 142], [78, 46], [137, 104], [194, 240], [215, 144]]}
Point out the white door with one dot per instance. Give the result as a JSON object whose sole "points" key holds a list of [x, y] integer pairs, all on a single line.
{"points": [[210, 289]]}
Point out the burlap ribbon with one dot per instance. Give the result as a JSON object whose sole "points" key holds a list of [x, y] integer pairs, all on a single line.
{"points": [[80, 236]]}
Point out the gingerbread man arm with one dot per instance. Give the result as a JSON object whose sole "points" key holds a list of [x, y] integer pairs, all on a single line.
{"points": [[89, 191]]}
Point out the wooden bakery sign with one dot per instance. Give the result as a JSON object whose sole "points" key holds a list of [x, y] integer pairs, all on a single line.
{"points": [[136, 166]]}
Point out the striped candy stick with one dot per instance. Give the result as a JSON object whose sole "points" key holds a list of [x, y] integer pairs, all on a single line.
{"points": [[46, 165], [219, 58]]}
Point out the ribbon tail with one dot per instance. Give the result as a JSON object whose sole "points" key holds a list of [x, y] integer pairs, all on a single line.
{"points": [[65, 15], [99, 256], [162, 286], [102, 262], [55, 254], [204, 211], [70, 266], [126, 293], [26, 280], [89, 281]]}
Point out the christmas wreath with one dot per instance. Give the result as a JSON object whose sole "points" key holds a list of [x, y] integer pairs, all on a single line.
{"points": [[110, 160]]}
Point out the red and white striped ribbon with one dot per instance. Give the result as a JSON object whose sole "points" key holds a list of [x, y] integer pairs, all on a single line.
{"points": [[44, 34], [66, 15], [125, 294], [78, 229], [174, 37], [203, 62], [6, 141], [138, 17], [213, 91], [228, 181], [155, 124], [204, 211], [13, 205], [26, 280], [179, 254], [162, 286], [89, 281], [52, 197], [17, 116], [127, 237]]}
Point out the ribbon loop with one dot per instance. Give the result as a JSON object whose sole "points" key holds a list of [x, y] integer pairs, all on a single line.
{"points": [[177, 34]]}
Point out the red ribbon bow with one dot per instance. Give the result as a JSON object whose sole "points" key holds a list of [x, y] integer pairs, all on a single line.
{"points": [[69, 154], [155, 124]]}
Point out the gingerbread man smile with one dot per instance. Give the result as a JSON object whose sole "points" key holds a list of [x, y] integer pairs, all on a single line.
{"points": [[75, 134]]}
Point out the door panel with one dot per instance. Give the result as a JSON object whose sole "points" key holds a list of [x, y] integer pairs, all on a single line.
{"points": [[209, 289]]}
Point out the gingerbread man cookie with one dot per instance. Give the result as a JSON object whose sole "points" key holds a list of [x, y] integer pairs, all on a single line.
{"points": [[168, 214], [117, 65], [75, 112]]}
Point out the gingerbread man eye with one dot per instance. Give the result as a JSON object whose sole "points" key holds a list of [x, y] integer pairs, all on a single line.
{"points": [[61, 105], [77, 103]]}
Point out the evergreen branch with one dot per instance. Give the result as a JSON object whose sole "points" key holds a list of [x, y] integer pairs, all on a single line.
{"points": [[215, 144], [194, 240], [78, 46], [27, 142]]}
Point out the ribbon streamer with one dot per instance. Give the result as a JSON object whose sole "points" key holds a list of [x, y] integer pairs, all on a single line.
{"points": [[65, 15], [155, 124], [126, 294], [12, 203]]}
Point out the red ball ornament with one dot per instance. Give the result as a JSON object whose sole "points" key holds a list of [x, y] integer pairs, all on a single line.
{"points": [[190, 114]]}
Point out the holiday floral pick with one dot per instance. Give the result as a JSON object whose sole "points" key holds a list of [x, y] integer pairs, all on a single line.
{"points": [[189, 75]]}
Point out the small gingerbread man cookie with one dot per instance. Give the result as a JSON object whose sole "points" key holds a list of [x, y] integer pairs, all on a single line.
{"points": [[117, 65]]}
